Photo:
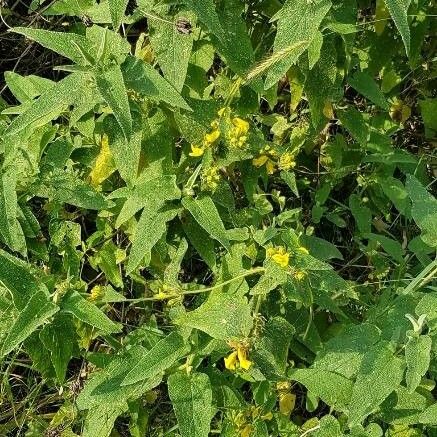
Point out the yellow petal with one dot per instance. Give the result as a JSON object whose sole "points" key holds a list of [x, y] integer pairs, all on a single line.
{"points": [[104, 165], [241, 125], [299, 275], [212, 136], [303, 250], [246, 431], [196, 151], [260, 161], [281, 259], [242, 358], [270, 167], [287, 401], [231, 361]]}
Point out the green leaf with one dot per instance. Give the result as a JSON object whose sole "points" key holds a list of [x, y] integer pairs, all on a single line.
{"points": [[271, 349], [205, 213], [172, 48], [239, 56], [223, 316], [73, 303], [126, 153], [112, 89], [429, 416], [49, 105], [200, 240], [332, 388], [37, 310], [106, 386], [424, 210], [343, 353], [399, 12], [191, 396], [65, 187], [380, 373], [298, 21], [361, 213], [150, 228], [207, 14], [68, 44], [354, 122], [428, 305], [23, 289], [417, 356], [26, 88], [158, 359], [366, 85], [10, 229], [58, 337], [100, 420], [146, 81], [117, 9], [392, 247]]}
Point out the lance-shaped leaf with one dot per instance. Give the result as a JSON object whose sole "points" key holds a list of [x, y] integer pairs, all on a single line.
{"points": [[146, 81], [399, 12], [158, 359], [49, 105], [113, 90], [380, 374], [68, 44], [73, 303], [37, 310], [117, 9], [172, 48], [223, 316], [298, 20], [10, 228], [191, 396], [205, 213], [126, 153]]}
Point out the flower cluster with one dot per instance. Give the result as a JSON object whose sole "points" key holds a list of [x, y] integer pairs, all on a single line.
{"points": [[236, 130], [208, 140], [210, 178], [279, 255], [273, 161], [237, 134], [243, 420], [238, 358], [287, 399], [96, 293]]}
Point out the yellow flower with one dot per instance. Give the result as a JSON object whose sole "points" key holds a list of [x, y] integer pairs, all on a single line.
{"points": [[260, 161], [279, 255], [231, 361], [299, 275], [286, 161], [242, 358], [237, 135], [267, 416], [221, 112], [212, 137], [210, 178], [246, 431], [303, 250], [196, 151], [241, 126], [287, 401], [270, 167], [96, 292]]}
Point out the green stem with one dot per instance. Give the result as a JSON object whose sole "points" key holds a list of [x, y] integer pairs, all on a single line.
{"points": [[253, 271]]}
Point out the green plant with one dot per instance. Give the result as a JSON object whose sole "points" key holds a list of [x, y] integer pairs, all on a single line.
{"points": [[220, 221]]}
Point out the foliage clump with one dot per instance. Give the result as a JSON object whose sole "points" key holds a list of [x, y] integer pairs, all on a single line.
{"points": [[217, 218]]}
